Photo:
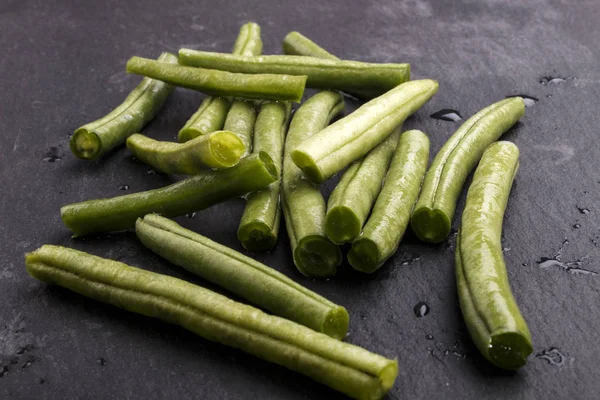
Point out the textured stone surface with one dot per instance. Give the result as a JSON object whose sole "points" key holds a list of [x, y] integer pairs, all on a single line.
{"points": [[63, 65]]}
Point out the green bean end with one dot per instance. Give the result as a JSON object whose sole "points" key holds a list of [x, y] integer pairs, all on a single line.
{"points": [[316, 257], [308, 166], [364, 255], [257, 236], [509, 350], [429, 225], [342, 225], [86, 145]]}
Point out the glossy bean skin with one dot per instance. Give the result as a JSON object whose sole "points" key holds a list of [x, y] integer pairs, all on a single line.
{"points": [[241, 275], [296, 44], [443, 183], [350, 138], [489, 309], [213, 111], [220, 149], [372, 78], [351, 201], [240, 120], [97, 138], [387, 223], [254, 172], [259, 226], [222, 83], [303, 205], [350, 369]]}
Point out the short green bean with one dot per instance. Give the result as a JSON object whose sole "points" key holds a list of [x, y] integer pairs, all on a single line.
{"points": [[221, 83], [240, 120], [488, 306], [303, 205], [348, 139], [371, 78], [220, 149], [351, 201], [253, 281], [97, 138], [443, 183], [383, 231], [259, 226], [350, 369], [252, 173]]}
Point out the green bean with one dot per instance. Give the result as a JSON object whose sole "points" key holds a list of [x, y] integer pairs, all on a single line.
{"points": [[253, 173], [211, 115], [383, 231], [253, 281], [351, 201], [443, 183], [488, 306], [220, 149], [259, 226], [97, 138], [345, 367], [371, 78], [221, 83], [240, 120], [348, 139], [296, 44], [303, 205]]}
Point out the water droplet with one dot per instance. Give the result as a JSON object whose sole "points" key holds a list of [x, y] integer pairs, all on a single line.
{"points": [[52, 155], [128, 117], [525, 265], [551, 80], [527, 100], [27, 364], [421, 309], [150, 171], [363, 317], [506, 249], [409, 258], [576, 226], [444, 330], [3, 371], [552, 356], [429, 337], [446, 114], [101, 361], [583, 210], [124, 187], [190, 215], [572, 267], [42, 381]]}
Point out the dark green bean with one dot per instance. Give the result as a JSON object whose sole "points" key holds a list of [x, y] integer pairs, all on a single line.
{"points": [[240, 120]]}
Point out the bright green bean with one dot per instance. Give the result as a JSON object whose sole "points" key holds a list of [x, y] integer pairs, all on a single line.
{"points": [[240, 120], [97, 138], [345, 367], [351, 201], [348, 139], [443, 183], [211, 115], [221, 83], [253, 281], [371, 78], [383, 231], [303, 205], [220, 149], [259, 226], [488, 306], [252, 173]]}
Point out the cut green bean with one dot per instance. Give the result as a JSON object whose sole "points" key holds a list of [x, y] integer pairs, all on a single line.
{"points": [[350, 138], [296, 44], [253, 281], [383, 231], [488, 306], [371, 78], [211, 115], [222, 83], [350, 369], [252, 173], [240, 120], [97, 138], [351, 201], [259, 226], [303, 205], [220, 149], [443, 183]]}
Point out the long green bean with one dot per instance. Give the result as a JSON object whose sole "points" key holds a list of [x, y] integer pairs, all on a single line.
{"points": [[97, 138]]}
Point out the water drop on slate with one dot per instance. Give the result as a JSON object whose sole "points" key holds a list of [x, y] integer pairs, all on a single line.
{"points": [[124, 187], [447, 114], [421, 309], [551, 80], [583, 210], [528, 100], [52, 155]]}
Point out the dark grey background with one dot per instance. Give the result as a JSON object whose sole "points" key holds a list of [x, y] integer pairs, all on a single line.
{"points": [[63, 64]]}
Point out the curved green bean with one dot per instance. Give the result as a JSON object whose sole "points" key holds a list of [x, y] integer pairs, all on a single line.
{"points": [[374, 79], [252, 173], [240, 120], [345, 367], [220, 149], [383, 231], [303, 205], [443, 183], [244, 276], [97, 138], [222, 83], [259, 226], [211, 115], [348, 139], [296, 44], [488, 306], [351, 201]]}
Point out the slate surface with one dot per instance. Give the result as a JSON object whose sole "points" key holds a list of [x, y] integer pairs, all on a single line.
{"points": [[63, 65]]}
